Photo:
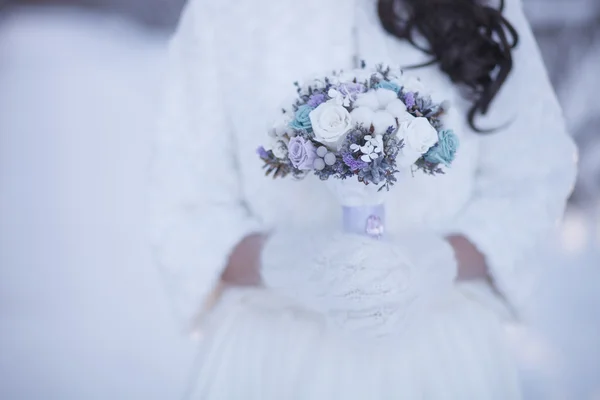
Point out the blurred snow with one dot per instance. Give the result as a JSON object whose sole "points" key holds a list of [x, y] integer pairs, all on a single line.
{"points": [[83, 313]]}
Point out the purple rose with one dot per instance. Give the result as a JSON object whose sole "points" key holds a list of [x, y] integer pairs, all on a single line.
{"points": [[302, 153]]}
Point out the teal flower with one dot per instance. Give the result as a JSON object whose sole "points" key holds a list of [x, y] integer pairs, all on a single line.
{"points": [[445, 149], [301, 121], [389, 86]]}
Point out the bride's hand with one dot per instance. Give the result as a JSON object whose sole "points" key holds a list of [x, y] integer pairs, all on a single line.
{"points": [[243, 267], [242, 270]]}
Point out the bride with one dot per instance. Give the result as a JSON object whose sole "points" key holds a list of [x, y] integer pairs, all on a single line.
{"points": [[286, 307]]}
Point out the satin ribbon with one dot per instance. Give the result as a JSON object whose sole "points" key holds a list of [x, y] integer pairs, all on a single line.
{"points": [[364, 220]]}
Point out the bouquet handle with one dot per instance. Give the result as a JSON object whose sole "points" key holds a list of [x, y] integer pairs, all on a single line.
{"points": [[364, 220], [363, 210]]}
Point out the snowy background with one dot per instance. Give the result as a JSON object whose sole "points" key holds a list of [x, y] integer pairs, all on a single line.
{"points": [[83, 314]]}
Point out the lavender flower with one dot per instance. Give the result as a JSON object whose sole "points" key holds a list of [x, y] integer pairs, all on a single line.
{"points": [[409, 100], [352, 163], [316, 99], [262, 153]]}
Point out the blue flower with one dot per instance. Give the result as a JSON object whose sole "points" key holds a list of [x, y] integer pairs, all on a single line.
{"points": [[445, 149], [301, 121], [389, 86]]}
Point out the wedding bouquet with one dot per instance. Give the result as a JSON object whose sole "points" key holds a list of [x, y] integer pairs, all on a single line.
{"points": [[359, 128]]}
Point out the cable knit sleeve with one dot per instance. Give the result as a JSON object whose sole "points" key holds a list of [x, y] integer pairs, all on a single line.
{"points": [[527, 170], [199, 214]]}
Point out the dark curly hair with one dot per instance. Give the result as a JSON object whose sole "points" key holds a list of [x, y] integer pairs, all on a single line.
{"points": [[469, 39]]}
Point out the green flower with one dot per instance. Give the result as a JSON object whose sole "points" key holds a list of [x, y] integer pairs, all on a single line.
{"points": [[301, 121], [445, 149]]}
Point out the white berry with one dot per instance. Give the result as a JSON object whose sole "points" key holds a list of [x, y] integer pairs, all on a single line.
{"points": [[319, 164], [329, 158], [321, 151]]}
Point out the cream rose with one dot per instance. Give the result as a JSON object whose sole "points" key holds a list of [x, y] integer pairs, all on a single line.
{"points": [[419, 136], [330, 123]]}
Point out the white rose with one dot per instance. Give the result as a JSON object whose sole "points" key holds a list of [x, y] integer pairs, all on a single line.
{"points": [[419, 136], [330, 123]]}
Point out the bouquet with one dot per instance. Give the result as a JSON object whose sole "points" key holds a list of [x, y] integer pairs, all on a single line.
{"points": [[357, 129]]}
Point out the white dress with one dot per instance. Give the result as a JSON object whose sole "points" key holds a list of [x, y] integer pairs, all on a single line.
{"points": [[231, 66]]}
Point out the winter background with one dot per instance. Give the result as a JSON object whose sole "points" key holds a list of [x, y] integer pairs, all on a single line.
{"points": [[83, 314]]}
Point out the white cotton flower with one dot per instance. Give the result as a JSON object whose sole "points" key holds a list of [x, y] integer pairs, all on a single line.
{"points": [[385, 96], [369, 100], [281, 126], [382, 120], [414, 84], [381, 109], [398, 109], [330, 122], [363, 116]]}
